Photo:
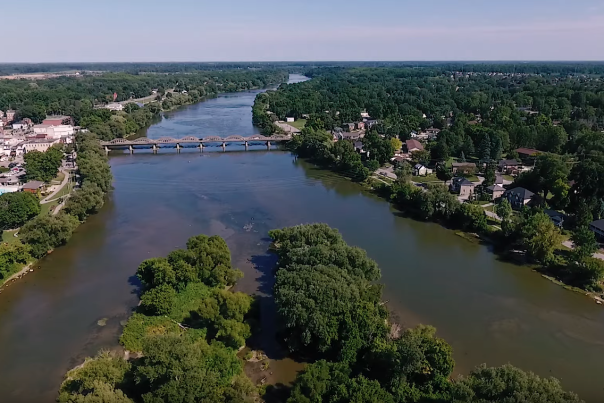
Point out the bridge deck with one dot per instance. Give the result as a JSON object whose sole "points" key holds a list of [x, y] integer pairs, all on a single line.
{"points": [[210, 139]]}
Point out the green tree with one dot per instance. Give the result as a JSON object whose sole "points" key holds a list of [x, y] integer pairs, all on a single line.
{"points": [[540, 237], [403, 172], [43, 166], [584, 241], [443, 173], [17, 208], [504, 210], [158, 300], [485, 149], [396, 143], [45, 233], [12, 257], [85, 201]]}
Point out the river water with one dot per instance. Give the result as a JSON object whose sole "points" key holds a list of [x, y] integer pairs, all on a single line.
{"points": [[490, 311]]}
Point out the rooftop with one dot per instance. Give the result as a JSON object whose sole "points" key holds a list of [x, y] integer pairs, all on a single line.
{"points": [[411, 144], [522, 193], [527, 151], [33, 185], [599, 224]]}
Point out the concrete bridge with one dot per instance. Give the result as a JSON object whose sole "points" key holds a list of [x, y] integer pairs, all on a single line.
{"points": [[155, 144]]}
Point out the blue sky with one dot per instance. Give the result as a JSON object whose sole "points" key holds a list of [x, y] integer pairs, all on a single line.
{"points": [[271, 30]]}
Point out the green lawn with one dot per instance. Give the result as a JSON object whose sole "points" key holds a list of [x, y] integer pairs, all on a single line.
{"points": [[426, 179], [59, 178], [472, 178], [508, 177], [8, 237], [298, 124]]}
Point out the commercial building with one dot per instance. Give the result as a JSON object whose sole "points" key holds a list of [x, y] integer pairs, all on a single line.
{"points": [[114, 106], [57, 120], [39, 144]]}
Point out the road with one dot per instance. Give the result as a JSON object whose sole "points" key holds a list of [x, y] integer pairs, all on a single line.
{"points": [[569, 244], [143, 100]]}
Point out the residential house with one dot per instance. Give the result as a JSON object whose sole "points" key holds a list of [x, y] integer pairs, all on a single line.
{"points": [[518, 197], [432, 132], [289, 119], [464, 187], [10, 115], [20, 125], [509, 167], [369, 123], [413, 145], [348, 127], [556, 217], [360, 125], [420, 170], [496, 191], [33, 187], [358, 146], [525, 153], [598, 228], [463, 167], [365, 115], [349, 136], [397, 159]]}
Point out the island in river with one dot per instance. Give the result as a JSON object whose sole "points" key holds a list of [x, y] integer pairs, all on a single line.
{"points": [[490, 311]]}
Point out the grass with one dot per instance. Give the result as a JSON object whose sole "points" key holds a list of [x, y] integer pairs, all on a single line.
{"points": [[472, 178], [59, 178], [65, 190], [426, 179], [9, 237], [483, 202], [298, 124], [508, 177]]}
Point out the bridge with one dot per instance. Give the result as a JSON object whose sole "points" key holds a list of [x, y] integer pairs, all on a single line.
{"points": [[188, 141]]}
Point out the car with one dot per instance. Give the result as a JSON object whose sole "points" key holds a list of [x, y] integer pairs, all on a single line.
{"points": [[12, 164]]}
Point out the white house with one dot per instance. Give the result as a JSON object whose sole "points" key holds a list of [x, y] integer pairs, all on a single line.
{"points": [[289, 120], [420, 170], [19, 126], [114, 106]]}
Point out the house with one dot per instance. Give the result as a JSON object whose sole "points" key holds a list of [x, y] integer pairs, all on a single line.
{"points": [[524, 153], [420, 170], [369, 123], [154, 91], [289, 120], [114, 106], [33, 186], [365, 115], [10, 115], [358, 146], [432, 132], [463, 167], [19, 125], [360, 125], [348, 127], [397, 159], [556, 217], [9, 181], [509, 167], [57, 120], [518, 197], [464, 187], [598, 228], [349, 136], [413, 145], [496, 191]]}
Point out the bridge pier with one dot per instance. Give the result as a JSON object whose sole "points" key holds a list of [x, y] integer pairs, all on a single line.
{"points": [[200, 147], [106, 150], [131, 149], [223, 146], [155, 149], [178, 148], [246, 146], [268, 145]]}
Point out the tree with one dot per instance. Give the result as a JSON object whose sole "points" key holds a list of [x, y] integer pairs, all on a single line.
{"points": [[12, 257], [462, 157], [17, 208], [420, 157], [540, 237], [489, 174], [443, 173], [85, 201], [379, 149], [45, 233], [158, 300], [584, 241], [504, 210], [43, 166], [403, 172], [586, 272], [396, 143], [485, 149]]}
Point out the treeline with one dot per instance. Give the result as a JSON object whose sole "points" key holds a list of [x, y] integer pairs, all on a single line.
{"points": [[552, 114], [186, 333], [77, 96], [331, 314], [40, 234]]}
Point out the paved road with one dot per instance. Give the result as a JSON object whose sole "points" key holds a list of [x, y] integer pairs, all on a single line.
{"points": [[570, 245], [49, 198]]}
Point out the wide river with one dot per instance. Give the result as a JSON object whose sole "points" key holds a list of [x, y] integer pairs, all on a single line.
{"points": [[490, 311]]}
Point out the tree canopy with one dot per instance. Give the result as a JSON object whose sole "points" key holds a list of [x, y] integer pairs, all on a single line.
{"points": [[17, 208]]}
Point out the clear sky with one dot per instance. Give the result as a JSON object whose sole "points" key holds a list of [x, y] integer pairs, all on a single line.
{"points": [[272, 30]]}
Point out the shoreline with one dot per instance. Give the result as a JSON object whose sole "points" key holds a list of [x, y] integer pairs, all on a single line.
{"points": [[15, 276]]}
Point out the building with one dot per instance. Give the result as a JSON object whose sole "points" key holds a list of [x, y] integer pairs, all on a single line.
{"points": [[19, 125], [360, 125], [348, 127], [518, 197], [496, 191], [420, 170], [464, 187], [33, 186], [39, 144], [57, 120], [432, 132], [598, 228], [349, 136], [365, 115], [114, 106], [289, 120], [556, 217], [10, 115], [370, 123], [463, 167], [413, 145], [524, 153], [509, 167], [1, 114]]}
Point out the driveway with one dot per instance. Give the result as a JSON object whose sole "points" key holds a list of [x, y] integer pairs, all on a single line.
{"points": [[569, 244]]}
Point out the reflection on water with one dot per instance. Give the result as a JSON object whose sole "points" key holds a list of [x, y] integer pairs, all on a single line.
{"points": [[490, 311]]}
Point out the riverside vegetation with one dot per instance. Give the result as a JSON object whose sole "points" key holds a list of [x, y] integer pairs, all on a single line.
{"points": [[483, 118], [188, 328]]}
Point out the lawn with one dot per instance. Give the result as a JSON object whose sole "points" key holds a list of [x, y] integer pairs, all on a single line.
{"points": [[9, 237], [298, 124], [58, 179], [472, 178], [426, 179], [508, 177]]}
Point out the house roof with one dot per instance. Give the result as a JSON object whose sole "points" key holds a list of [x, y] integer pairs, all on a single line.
{"points": [[411, 144], [527, 151], [492, 188], [599, 224], [522, 193], [503, 163], [418, 166], [33, 185]]}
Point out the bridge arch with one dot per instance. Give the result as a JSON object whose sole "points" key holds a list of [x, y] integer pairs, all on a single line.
{"points": [[212, 138], [164, 140], [235, 138], [118, 141], [189, 139]]}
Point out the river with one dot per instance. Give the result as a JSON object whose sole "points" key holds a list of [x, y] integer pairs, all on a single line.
{"points": [[490, 311]]}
